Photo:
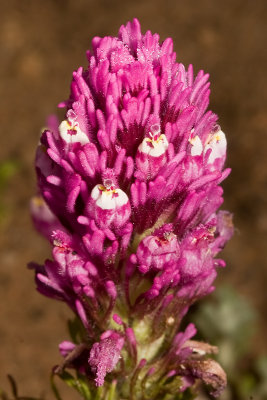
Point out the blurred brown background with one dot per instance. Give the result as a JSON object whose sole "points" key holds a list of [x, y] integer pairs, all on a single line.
{"points": [[41, 43]]}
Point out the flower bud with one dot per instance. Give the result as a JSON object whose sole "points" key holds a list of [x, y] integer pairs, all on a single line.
{"points": [[104, 355], [158, 250]]}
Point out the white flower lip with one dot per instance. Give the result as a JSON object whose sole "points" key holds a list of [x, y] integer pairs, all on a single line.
{"points": [[197, 146], [71, 132], [217, 143], [154, 148], [109, 199]]}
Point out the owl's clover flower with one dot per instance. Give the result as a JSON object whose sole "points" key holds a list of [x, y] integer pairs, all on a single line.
{"points": [[129, 188]]}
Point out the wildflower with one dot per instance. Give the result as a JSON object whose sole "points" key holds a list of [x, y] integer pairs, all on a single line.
{"points": [[131, 178]]}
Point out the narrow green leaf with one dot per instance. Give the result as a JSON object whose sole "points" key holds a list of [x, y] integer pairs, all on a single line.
{"points": [[82, 381], [54, 387], [79, 384]]}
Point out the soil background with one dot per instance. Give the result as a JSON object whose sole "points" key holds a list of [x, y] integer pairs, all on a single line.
{"points": [[41, 43]]}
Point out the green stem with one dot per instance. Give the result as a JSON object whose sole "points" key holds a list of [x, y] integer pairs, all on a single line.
{"points": [[112, 391], [99, 393]]}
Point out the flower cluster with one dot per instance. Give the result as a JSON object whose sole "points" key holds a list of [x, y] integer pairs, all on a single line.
{"points": [[129, 198]]}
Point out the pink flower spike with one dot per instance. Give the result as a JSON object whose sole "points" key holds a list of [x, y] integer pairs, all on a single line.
{"points": [[104, 356], [128, 196]]}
